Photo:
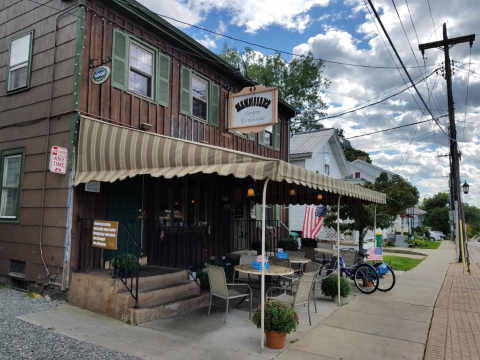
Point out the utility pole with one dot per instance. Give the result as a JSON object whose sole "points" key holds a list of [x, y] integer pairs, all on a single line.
{"points": [[455, 197]]}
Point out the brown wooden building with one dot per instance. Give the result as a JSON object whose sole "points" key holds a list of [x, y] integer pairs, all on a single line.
{"points": [[149, 147]]}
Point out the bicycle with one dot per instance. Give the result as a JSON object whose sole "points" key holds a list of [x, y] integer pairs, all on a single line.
{"points": [[364, 275], [386, 276]]}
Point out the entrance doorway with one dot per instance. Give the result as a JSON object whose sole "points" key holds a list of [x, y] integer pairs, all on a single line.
{"points": [[125, 203]]}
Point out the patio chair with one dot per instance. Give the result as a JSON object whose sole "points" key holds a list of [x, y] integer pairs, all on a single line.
{"points": [[297, 254], [285, 279], [242, 277], [220, 288], [301, 295]]}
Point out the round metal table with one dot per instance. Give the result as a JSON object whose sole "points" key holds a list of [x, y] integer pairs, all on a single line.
{"points": [[273, 270]]}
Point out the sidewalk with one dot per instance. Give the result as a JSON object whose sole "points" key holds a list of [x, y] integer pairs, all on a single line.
{"points": [[392, 325], [455, 332]]}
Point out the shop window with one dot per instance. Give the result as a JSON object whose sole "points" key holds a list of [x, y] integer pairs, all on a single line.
{"points": [[140, 69], [10, 185], [199, 98], [272, 215], [19, 64]]}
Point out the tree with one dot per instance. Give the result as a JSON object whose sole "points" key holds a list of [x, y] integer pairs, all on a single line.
{"points": [[438, 219], [299, 81], [472, 217], [400, 196], [352, 154], [440, 200]]}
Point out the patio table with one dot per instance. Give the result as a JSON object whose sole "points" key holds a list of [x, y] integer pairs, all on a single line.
{"points": [[297, 260]]}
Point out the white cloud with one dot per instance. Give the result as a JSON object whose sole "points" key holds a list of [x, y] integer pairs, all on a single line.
{"points": [[208, 42]]}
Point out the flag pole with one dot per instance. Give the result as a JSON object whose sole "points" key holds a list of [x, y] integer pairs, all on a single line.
{"points": [[338, 250]]}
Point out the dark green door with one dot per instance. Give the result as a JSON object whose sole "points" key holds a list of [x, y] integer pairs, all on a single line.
{"points": [[125, 204]]}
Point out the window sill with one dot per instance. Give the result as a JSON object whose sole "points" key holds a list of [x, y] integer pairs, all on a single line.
{"points": [[16, 91], [9, 221]]}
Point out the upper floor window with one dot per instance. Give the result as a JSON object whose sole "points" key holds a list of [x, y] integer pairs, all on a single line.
{"points": [[357, 175], [326, 161], [269, 136], [19, 62], [141, 70], [199, 98], [10, 185]]}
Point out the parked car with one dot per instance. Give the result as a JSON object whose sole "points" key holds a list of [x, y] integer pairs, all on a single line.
{"points": [[436, 235]]}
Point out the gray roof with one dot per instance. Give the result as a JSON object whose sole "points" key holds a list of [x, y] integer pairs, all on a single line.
{"points": [[306, 142]]}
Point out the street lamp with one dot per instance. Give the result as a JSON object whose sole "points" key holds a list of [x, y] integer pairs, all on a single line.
{"points": [[465, 187]]}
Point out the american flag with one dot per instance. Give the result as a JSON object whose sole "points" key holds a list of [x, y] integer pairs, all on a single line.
{"points": [[313, 220], [375, 254]]}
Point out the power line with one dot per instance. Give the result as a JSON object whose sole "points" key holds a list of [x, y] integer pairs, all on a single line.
{"points": [[433, 22], [466, 99], [404, 68], [379, 131]]}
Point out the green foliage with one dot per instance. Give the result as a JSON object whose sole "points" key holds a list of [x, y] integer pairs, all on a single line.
{"points": [[2, 286], [312, 243], [438, 219], [418, 243], [299, 81], [30, 294], [126, 262], [257, 246], [401, 263], [472, 217], [279, 317], [129, 320], [352, 154], [400, 196], [329, 286], [228, 265], [288, 244], [439, 200], [423, 232], [390, 243]]}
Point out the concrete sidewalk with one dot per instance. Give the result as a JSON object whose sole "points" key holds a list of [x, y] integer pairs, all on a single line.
{"points": [[392, 325]]}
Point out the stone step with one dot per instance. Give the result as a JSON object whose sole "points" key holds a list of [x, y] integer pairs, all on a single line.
{"points": [[160, 276], [166, 308], [159, 293]]}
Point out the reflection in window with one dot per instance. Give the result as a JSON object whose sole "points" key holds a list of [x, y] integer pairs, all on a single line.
{"points": [[200, 98], [269, 135], [19, 56], [10, 186], [141, 71]]}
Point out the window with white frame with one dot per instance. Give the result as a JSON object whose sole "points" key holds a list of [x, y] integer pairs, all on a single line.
{"points": [[268, 136], [10, 185], [141, 70], [199, 98], [19, 62], [326, 161]]}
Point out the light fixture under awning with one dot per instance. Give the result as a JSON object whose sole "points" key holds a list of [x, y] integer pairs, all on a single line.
{"points": [[109, 152]]}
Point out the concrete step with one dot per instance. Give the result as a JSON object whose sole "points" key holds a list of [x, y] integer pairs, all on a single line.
{"points": [[166, 308], [160, 276], [159, 293]]}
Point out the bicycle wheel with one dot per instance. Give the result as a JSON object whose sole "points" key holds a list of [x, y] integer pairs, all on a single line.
{"points": [[366, 279], [386, 281]]}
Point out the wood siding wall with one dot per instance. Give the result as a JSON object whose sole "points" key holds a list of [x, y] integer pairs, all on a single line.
{"points": [[50, 93], [108, 103]]}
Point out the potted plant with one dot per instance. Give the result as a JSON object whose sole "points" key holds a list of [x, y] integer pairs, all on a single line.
{"points": [[257, 246], [329, 287], [125, 263], [280, 320]]}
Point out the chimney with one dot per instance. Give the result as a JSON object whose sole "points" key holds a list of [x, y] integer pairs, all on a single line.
{"points": [[362, 157]]}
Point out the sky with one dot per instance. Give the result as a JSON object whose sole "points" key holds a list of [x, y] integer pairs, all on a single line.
{"points": [[344, 31]]}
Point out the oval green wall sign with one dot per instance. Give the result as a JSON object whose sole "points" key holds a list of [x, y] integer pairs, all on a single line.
{"points": [[100, 75]]}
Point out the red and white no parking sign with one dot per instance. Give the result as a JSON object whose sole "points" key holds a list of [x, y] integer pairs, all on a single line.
{"points": [[58, 160]]}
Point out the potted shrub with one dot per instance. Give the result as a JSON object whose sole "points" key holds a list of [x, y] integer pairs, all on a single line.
{"points": [[280, 320], [329, 287], [125, 263], [257, 246], [288, 244], [308, 246]]}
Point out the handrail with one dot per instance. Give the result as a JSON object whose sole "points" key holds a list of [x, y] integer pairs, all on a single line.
{"points": [[285, 226], [132, 237]]}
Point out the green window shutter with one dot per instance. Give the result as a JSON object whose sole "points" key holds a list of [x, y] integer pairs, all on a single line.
{"points": [[228, 114], [163, 79], [120, 60], [261, 137], [214, 103], [276, 136], [186, 93], [251, 136], [278, 214]]}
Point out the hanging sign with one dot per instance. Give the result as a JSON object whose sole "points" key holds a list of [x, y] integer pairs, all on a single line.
{"points": [[93, 186], [100, 75], [253, 109], [58, 160], [104, 234]]}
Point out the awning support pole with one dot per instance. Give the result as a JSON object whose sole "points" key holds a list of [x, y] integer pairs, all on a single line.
{"points": [[262, 288], [338, 250], [374, 227]]}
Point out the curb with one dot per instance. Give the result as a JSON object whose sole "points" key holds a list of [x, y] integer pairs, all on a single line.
{"points": [[398, 251]]}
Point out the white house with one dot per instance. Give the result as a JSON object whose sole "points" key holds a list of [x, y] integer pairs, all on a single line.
{"points": [[360, 171], [319, 151]]}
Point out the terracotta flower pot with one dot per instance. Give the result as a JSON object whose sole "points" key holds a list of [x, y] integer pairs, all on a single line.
{"points": [[275, 340]]}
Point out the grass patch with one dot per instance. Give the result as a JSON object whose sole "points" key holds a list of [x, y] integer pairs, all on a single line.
{"points": [[400, 262], [432, 245], [30, 294], [2, 286]]}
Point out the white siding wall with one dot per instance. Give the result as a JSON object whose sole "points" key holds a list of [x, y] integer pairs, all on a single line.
{"points": [[299, 163]]}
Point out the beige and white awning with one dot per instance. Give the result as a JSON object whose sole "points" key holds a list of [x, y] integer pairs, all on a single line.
{"points": [[108, 152]]}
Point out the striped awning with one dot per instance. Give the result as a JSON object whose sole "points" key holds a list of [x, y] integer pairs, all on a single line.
{"points": [[108, 152]]}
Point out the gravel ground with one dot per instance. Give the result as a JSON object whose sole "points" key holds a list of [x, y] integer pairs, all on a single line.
{"points": [[21, 340]]}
